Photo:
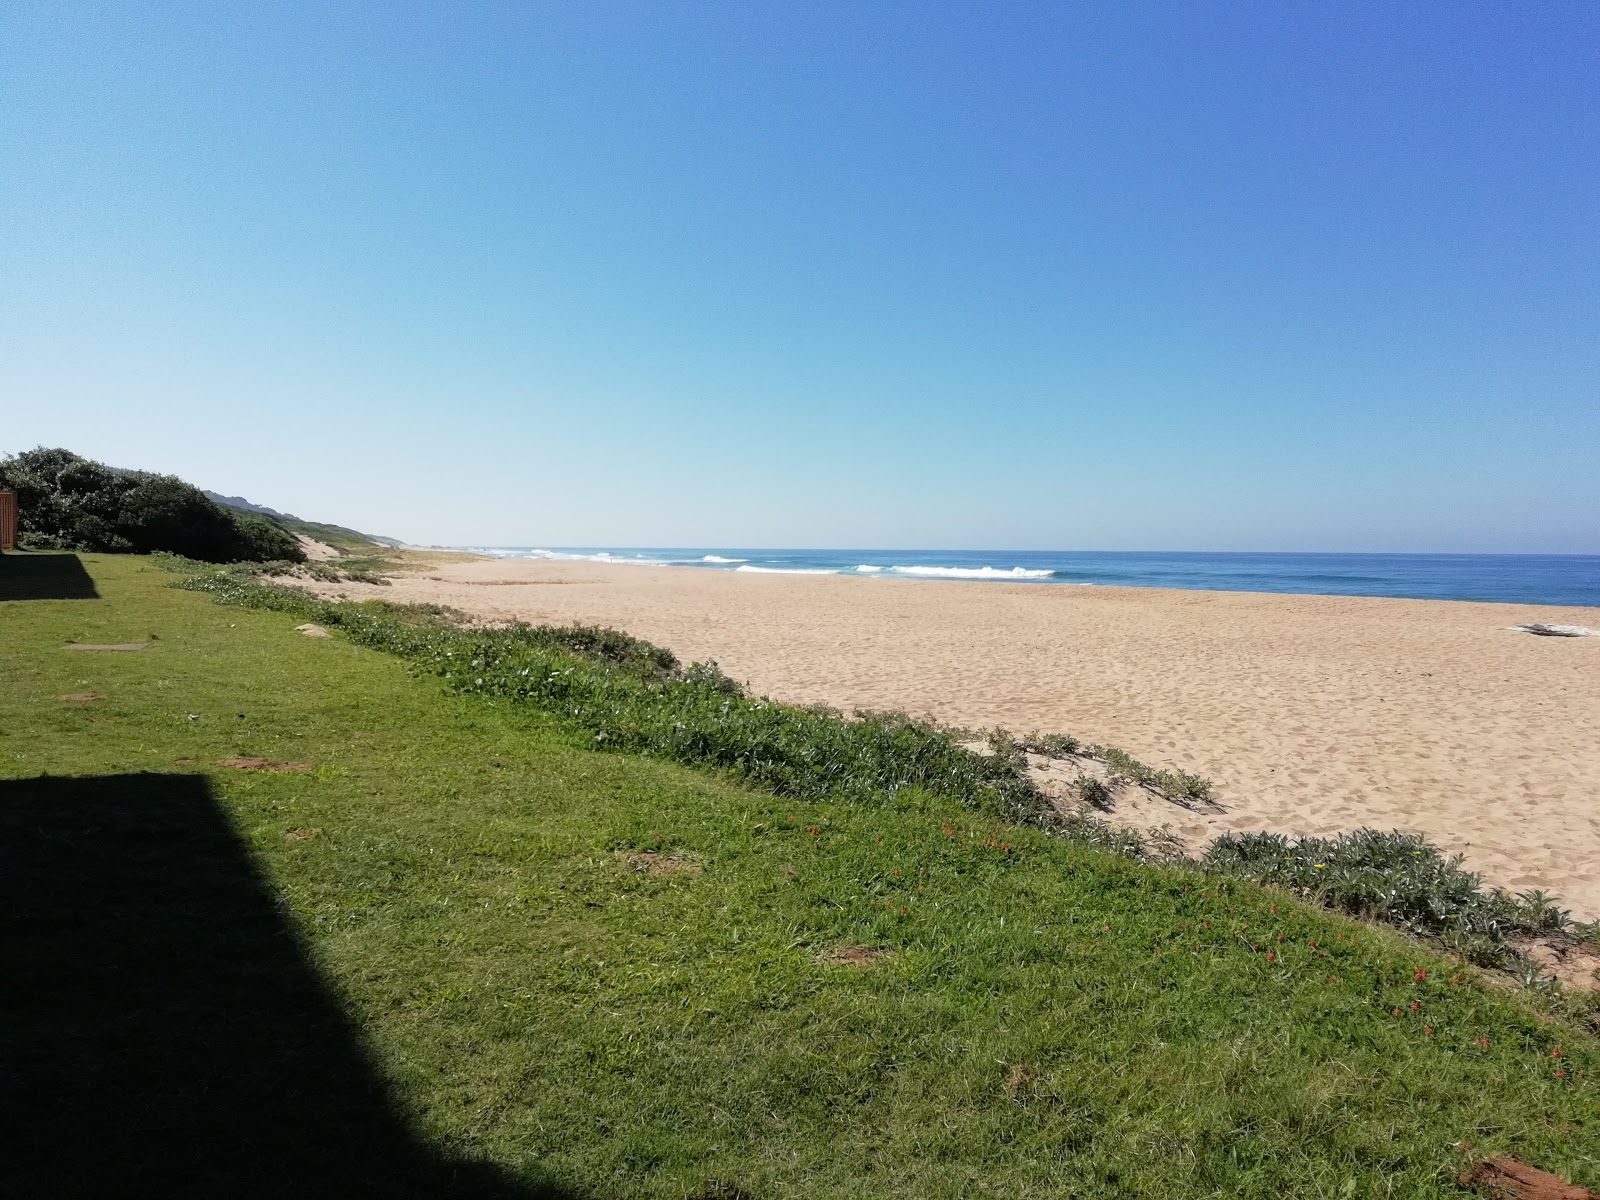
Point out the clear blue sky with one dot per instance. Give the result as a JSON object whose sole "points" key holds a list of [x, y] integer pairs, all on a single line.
{"points": [[1122, 276]]}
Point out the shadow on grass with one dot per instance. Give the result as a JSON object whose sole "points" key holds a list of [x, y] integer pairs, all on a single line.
{"points": [[165, 1033], [45, 577]]}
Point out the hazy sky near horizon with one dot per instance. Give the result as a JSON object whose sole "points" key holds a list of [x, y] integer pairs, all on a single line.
{"points": [[1234, 276]]}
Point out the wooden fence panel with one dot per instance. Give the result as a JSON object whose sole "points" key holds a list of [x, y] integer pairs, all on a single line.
{"points": [[8, 520]]}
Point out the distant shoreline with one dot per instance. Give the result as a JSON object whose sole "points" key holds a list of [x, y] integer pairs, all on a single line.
{"points": [[1556, 580]]}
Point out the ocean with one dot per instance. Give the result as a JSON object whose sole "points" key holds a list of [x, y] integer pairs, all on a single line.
{"points": [[1513, 578]]}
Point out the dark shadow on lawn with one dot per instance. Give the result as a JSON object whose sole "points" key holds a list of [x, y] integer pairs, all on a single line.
{"points": [[164, 1032], [45, 577]]}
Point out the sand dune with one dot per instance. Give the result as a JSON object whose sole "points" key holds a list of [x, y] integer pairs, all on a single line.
{"points": [[1312, 714]]}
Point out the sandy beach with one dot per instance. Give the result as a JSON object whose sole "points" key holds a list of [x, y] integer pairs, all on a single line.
{"points": [[1311, 714]]}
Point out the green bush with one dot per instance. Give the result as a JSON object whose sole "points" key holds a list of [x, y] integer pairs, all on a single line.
{"points": [[67, 502], [1398, 878]]}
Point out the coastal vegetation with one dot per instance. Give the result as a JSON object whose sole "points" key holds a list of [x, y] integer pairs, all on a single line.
{"points": [[841, 962], [67, 502], [632, 697]]}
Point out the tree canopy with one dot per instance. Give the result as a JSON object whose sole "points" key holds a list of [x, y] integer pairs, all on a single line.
{"points": [[68, 502]]}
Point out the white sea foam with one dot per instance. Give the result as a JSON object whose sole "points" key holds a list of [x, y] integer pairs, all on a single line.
{"points": [[868, 568], [602, 556], [786, 570], [974, 572], [717, 558]]}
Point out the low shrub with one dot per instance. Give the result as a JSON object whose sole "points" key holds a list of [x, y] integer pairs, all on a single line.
{"points": [[1397, 878], [1178, 785]]}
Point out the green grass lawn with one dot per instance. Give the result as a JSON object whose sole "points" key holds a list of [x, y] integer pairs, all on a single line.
{"points": [[517, 966]]}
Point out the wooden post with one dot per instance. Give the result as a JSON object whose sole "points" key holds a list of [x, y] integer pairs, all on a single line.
{"points": [[8, 520]]}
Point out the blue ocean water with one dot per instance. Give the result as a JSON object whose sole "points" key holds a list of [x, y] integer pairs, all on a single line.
{"points": [[1515, 578]]}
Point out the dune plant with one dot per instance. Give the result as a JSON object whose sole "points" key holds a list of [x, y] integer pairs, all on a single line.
{"points": [[1398, 878]]}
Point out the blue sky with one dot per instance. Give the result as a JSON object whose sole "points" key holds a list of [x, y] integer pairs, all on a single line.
{"points": [[1134, 276]]}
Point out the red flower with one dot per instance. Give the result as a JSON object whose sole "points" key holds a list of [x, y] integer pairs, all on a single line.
{"points": [[1420, 976]]}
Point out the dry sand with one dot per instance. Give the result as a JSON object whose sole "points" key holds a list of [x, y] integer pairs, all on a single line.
{"points": [[1311, 714]]}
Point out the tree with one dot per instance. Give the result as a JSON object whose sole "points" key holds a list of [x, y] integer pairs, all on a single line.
{"points": [[67, 502]]}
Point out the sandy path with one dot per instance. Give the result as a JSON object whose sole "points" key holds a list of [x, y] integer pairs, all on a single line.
{"points": [[1312, 714]]}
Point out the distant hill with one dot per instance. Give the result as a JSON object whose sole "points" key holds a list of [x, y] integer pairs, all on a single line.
{"points": [[240, 502], [337, 536]]}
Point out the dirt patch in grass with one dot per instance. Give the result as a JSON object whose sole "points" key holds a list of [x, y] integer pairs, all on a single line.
{"points": [[852, 956], [117, 646], [301, 835], [1509, 1179], [1576, 966], [1019, 1077], [263, 764], [648, 862], [82, 697]]}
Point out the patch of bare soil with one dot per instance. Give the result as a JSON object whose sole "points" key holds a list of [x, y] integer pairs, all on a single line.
{"points": [[118, 646], [263, 764], [1576, 966], [852, 956], [1508, 1179], [82, 697], [301, 835], [650, 863], [1019, 1077]]}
